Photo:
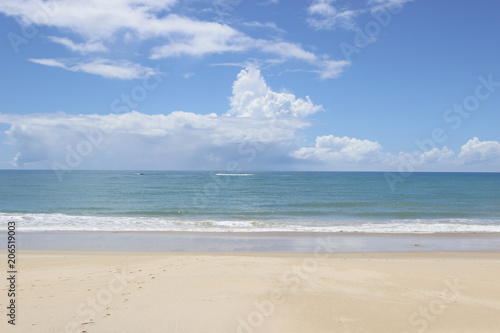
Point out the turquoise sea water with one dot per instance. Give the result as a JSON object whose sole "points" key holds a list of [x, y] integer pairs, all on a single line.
{"points": [[260, 201]]}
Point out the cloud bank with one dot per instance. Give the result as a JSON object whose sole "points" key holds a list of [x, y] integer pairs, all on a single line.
{"points": [[177, 140], [262, 129]]}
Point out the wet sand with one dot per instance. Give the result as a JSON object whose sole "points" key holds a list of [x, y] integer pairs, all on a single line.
{"points": [[252, 241]]}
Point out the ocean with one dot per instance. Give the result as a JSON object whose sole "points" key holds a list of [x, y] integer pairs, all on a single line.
{"points": [[250, 202]]}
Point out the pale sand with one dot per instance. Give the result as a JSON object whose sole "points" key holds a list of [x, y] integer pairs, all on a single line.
{"points": [[177, 292]]}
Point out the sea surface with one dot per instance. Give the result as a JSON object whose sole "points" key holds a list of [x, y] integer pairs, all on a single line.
{"points": [[250, 202]]}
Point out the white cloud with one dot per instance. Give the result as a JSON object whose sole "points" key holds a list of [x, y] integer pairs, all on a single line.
{"points": [[437, 155], [175, 140], [187, 75], [261, 130], [419, 158], [343, 149], [285, 50], [332, 14], [188, 37], [223, 7], [253, 98], [99, 22], [331, 69], [324, 16], [269, 2], [186, 139], [50, 62], [377, 5], [264, 25], [480, 151], [322, 7], [208, 38], [122, 70], [82, 48], [330, 150], [93, 19]]}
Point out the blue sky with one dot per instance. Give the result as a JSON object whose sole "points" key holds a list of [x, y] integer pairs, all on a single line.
{"points": [[250, 85]]}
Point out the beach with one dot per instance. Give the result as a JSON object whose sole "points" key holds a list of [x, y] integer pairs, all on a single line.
{"points": [[320, 166], [280, 252], [228, 291]]}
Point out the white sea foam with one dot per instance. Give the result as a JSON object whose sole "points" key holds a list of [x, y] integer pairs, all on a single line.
{"points": [[234, 174], [62, 222]]}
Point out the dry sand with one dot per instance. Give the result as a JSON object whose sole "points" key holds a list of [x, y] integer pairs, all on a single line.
{"points": [[256, 292]]}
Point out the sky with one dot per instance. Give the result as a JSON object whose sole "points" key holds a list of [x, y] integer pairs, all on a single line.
{"points": [[235, 85]]}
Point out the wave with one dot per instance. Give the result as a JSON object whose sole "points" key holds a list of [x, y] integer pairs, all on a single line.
{"points": [[235, 174], [63, 222]]}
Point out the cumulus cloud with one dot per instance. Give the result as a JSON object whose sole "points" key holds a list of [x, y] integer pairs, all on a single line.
{"points": [[344, 149], [480, 151], [186, 140], [420, 158], [110, 69], [175, 140], [253, 98], [332, 150], [261, 129]]}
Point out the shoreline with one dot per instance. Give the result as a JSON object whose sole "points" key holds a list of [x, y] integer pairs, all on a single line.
{"points": [[294, 242], [494, 255]]}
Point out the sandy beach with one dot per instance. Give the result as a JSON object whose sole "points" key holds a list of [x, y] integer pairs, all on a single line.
{"points": [[76, 291], [229, 166]]}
